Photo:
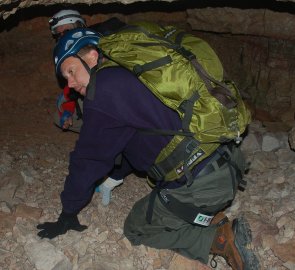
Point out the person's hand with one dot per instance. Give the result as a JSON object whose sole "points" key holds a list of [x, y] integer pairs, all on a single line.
{"points": [[64, 223], [68, 123], [66, 120]]}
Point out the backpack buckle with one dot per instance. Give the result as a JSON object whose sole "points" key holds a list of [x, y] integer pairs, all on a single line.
{"points": [[163, 193], [155, 173], [137, 69], [186, 53], [191, 146]]}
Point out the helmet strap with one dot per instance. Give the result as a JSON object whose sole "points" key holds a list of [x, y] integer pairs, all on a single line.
{"points": [[100, 58], [88, 69]]}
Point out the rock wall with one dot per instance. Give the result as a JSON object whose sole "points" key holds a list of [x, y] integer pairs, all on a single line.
{"points": [[256, 46], [257, 49]]}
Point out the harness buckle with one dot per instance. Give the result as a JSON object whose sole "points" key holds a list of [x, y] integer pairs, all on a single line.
{"points": [[155, 173], [163, 193]]}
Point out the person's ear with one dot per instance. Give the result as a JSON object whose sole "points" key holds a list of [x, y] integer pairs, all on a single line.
{"points": [[92, 58]]}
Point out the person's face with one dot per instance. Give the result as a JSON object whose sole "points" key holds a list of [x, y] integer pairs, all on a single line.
{"points": [[75, 73], [62, 29]]}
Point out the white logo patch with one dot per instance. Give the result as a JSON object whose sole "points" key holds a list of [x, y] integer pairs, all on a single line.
{"points": [[203, 220]]}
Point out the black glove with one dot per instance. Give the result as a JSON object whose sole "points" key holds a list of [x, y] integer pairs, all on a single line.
{"points": [[64, 223]]}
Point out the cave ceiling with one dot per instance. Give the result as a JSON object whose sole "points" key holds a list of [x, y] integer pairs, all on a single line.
{"points": [[10, 7], [265, 18]]}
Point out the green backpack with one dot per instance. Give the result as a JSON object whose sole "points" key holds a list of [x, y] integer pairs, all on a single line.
{"points": [[184, 72]]}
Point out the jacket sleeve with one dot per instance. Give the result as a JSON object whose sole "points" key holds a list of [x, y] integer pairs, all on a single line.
{"points": [[100, 141], [69, 105]]}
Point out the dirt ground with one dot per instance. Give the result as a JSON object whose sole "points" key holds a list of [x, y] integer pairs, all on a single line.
{"points": [[33, 147]]}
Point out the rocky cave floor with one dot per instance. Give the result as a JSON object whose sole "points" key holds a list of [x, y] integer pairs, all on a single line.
{"points": [[33, 165]]}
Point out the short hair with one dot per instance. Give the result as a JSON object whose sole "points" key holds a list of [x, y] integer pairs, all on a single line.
{"points": [[86, 50]]}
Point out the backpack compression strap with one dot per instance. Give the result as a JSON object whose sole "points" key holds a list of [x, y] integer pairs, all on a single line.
{"points": [[220, 91]]}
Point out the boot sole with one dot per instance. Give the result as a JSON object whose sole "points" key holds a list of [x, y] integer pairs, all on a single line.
{"points": [[243, 239]]}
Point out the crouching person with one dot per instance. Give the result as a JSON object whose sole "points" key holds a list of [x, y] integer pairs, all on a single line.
{"points": [[187, 219]]}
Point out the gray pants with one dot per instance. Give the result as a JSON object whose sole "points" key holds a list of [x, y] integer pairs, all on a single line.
{"points": [[167, 231]]}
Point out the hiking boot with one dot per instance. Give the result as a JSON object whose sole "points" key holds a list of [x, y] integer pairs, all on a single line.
{"points": [[219, 219], [232, 242]]}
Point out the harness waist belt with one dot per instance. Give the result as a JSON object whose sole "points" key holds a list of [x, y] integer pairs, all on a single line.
{"points": [[186, 211], [209, 168]]}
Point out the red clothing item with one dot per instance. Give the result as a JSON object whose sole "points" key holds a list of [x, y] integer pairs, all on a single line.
{"points": [[67, 104]]}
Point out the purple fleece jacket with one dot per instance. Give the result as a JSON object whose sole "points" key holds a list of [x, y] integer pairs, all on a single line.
{"points": [[121, 105]]}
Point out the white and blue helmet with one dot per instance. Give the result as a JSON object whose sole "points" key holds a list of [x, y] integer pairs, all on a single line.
{"points": [[71, 43], [65, 16]]}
